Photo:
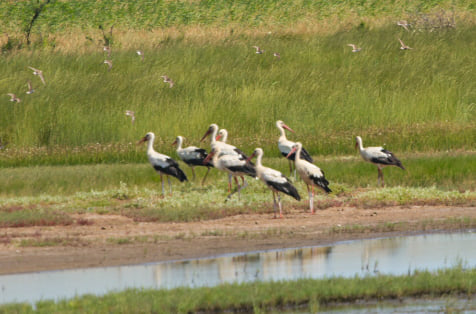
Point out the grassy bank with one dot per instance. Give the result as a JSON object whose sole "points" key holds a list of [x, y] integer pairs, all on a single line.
{"points": [[263, 297], [47, 195]]}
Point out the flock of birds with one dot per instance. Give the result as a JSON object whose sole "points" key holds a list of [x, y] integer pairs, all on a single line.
{"points": [[30, 90], [231, 160], [235, 163]]}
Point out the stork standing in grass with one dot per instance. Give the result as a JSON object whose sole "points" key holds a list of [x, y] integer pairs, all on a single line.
{"points": [[222, 135], [192, 156], [163, 164], [311, 174], [275, 180], [285, 146], [225, 149], [234, 165], [379, 156]]}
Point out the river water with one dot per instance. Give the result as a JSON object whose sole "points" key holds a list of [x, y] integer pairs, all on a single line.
{"points": [[395, 255]]}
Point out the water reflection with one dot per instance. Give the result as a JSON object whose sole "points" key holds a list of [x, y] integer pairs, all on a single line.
{"points": [[397, 255]]}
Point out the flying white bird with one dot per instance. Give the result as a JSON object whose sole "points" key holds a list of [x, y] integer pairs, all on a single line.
{"points": [[131, 114], [168, 80], [14, 97], [39, 73], [403, 46], [354, 48]]}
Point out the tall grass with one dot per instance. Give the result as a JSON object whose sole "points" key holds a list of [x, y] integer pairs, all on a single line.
{"points": [[418, 100], [88, 14]]}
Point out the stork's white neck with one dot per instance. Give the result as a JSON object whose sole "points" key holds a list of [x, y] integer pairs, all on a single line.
{"points": [[259, 157], [298, 153], [359, 143], [179, 142], [150, 145], [283, 133], [224, 135], [214, 135]]}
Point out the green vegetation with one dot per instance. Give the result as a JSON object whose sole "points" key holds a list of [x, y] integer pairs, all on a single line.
{"points": [[419, 100], [257, 297], [60, 16], [69, 147], [47, 195]]}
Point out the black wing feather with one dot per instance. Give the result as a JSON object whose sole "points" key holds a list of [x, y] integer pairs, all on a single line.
{"points": [[247, 169], [286, 188], [391, 160], [322, 183], [172, 169]]}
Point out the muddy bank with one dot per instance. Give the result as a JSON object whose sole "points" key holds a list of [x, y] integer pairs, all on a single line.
{"points": [[116, 240]]}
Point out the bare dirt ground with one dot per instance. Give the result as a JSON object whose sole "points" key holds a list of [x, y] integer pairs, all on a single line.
{"points": [[116, 240]]}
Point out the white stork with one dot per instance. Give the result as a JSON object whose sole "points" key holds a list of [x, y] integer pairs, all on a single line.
{"points": [[379, 156], [225, 149], [234, 165], [275, 180], [285, 146], [311, 174], [222, 135], [163, 164], [192, 156]]}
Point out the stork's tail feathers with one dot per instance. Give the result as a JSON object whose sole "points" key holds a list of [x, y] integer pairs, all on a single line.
{"points": [[181, 175], [286, 188], [322, 183], [326, 189], [294, 193]]}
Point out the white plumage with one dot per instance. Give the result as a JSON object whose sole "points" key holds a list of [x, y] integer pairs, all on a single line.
{"points": [[192, 156], [275, 180], [225, 149], [163, 164], [285, 145], [311, 174], [222, 135], [234, 165], [379, 156]]}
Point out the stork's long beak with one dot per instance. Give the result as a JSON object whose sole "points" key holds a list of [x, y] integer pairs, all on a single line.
{"points": [[175, 142], [356, 145], [218, 137], [251, 157], [206, 134], [291, 152], [144, 139], [288, 128]]}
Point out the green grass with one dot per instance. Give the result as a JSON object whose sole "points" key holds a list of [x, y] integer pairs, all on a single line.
{"points": [[48, 195], [257, 297], [149, 15], [446, 172], [419, 100]]}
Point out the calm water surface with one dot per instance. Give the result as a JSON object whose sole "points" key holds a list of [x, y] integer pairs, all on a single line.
{"points": [[396, 255]]}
